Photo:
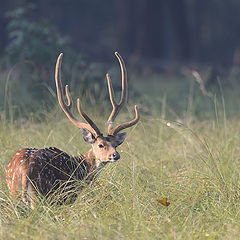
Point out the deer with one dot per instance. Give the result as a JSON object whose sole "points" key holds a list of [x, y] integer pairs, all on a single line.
{"points": [[44, 172]]}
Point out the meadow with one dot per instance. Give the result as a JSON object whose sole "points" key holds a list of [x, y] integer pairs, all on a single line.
{"points": [[185, 148]]}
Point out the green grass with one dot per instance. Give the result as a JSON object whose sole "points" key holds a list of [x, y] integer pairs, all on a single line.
{"points": [[195, 167], [195, 164]]}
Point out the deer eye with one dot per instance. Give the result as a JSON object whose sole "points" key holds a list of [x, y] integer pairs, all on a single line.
{"points": [[100, 145]]}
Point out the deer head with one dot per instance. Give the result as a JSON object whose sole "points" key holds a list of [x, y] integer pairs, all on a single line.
{"points": [[103, 149]]}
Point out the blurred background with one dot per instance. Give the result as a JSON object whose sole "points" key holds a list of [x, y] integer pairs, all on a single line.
{"points": [[180, 54]]}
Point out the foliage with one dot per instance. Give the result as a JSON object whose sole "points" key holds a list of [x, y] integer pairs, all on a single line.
{"points": [[33, 48], [31, 40], [176, 30]]}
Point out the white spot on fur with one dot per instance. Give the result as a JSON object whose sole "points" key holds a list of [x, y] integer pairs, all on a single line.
{"points": [[13, 177]]}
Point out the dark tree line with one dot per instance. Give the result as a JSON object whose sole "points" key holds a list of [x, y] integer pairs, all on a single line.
{"points": [[179, 30]]}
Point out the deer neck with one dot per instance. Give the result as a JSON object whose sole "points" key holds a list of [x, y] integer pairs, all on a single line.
{"points": [[91, 159], [94, 166]]}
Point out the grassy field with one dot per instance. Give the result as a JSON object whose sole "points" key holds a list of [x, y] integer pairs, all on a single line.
{"points": [[188, 155]]}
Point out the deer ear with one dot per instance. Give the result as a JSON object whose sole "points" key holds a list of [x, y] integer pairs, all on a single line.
{"points": [[119, 138], [88, 136]]}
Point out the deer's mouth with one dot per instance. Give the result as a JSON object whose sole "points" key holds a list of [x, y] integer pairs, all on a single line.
{"points": [[112, 160]]}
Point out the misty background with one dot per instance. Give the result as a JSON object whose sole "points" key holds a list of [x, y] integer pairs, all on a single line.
{"points": [[167, 39]]}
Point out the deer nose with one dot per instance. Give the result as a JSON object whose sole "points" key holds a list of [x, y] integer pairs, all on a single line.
{"points": [[116, 156]]}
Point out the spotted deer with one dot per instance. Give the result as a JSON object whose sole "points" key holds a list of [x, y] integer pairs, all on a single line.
{"points": [[44, 172]]}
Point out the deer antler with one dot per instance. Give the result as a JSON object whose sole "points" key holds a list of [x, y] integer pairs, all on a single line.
{"points": [[118, 107], [90, 125]]}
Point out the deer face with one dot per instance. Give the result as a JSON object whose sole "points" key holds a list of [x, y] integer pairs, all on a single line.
{"points": [[104, 148]]}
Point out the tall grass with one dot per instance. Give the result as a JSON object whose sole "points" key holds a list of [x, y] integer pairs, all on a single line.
{"points": [[194, 163]]}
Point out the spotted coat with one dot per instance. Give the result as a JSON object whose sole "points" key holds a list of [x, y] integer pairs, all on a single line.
{"points": [[46, 172]]}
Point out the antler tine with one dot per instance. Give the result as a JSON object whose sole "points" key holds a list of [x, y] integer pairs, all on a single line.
{"points": [[68, 95], [127, 124], [117, 107], [67, 107]]}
